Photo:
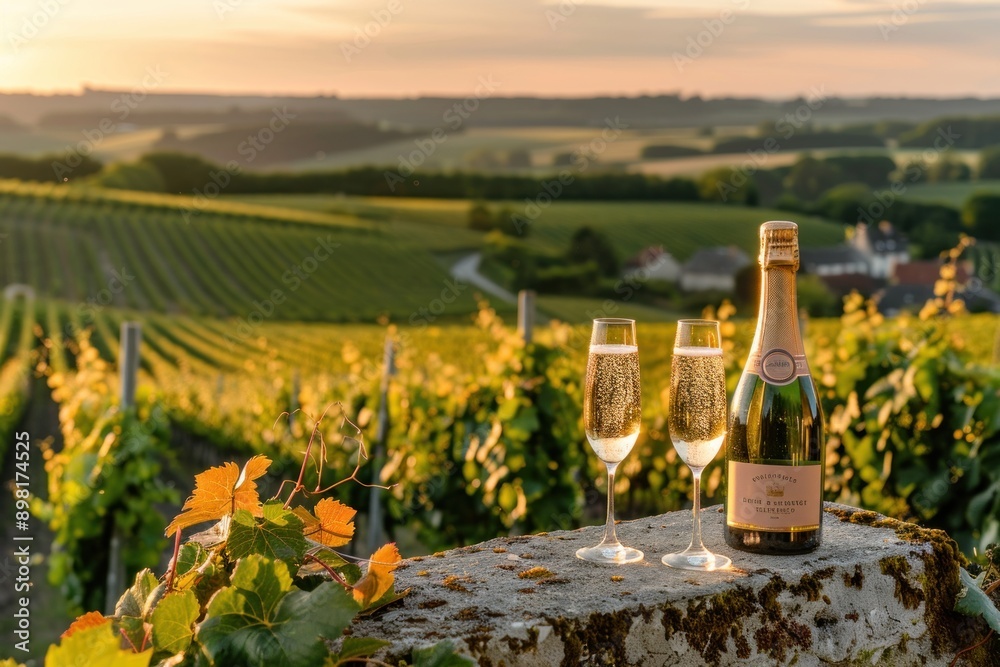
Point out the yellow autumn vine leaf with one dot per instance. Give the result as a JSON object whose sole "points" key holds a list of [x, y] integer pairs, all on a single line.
{"points": [[91, 619], [331, 523], [220, 491], [379, 578]]}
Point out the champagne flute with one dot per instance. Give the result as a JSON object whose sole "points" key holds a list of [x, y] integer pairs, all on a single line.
{"points": [[611, 412], [697, 418]]}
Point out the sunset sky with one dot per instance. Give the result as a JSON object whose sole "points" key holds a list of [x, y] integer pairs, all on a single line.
{"points": [[770, 48]]}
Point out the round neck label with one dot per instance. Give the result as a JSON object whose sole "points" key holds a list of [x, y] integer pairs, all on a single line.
{"points": [[777, 367]]}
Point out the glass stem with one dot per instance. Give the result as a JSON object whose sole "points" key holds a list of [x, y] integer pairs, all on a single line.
{"points": [[696, 543], [610, 536]]}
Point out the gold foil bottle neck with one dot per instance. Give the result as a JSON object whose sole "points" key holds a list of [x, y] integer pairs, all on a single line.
{"points": [[779, 244]]}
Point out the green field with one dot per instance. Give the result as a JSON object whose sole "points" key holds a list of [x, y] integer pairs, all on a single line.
{"points": [[682, 228], [950, 194], [167, 254]]}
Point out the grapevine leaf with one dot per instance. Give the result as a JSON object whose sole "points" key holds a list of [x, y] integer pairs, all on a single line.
{"points": [[98, 645], [91, 619], [134, 629], [278, 534], [972, 601], [133, 601], [355, 647], [214, 535], [191, 558], [221, 491], [441, 654], [378, 579], [330, 558], [263, 620], [332, 523], [172, 621]]}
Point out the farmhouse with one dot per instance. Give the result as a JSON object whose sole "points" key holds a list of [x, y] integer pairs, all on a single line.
{"points": [[713, 269], [882, 246], [653, 263]]}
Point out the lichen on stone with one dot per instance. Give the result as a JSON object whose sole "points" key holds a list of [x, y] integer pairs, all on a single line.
{"points": [[898, 568]]}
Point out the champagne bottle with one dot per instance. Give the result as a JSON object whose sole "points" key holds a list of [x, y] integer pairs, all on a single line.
{"points": [[775, 444]]}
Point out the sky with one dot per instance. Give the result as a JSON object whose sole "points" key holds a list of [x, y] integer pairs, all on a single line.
{"points": [[397, 48]]}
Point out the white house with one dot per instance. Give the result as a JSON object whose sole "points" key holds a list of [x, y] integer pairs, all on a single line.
{"points": [[712, 269], [882, 245], [653, 263], [840, 260]]}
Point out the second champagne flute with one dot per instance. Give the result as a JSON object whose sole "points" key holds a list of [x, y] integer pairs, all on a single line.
{"points": [[612, 410], [697, 421]]}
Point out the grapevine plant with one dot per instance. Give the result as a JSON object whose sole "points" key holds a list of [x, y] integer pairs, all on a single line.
{"points": [[105, 480], [262, 586]]}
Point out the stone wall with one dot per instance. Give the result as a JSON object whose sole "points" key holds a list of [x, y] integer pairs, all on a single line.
{"points": [[877, 592]]}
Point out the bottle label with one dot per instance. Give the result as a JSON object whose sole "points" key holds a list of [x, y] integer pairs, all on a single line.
{"points": [[774, 498], [777, 366]]}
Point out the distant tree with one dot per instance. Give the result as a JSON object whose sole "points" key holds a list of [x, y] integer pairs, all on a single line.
{"points": [[948, 169], [48, 168], [141, 176], [816, 298], [726, 185], [981, 216], [511, 223], [182, 173], [842, 202], [914, 171], [590, 245], [989, 163], [809, 178], [480, 217], [747, 294], [874, 170]]}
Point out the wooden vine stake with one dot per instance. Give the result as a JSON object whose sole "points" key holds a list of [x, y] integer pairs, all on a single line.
{"points": [[382, 433], [128, 366]]}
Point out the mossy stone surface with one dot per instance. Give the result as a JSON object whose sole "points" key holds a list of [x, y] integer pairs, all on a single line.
{"points": [[877, 592]]}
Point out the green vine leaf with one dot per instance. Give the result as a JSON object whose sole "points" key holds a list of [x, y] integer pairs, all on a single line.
{"points": [[278, 534], [173, 619], [133, 601], [441, 654], [262, 619], [99, 646], [355, 647], [972, 601]]}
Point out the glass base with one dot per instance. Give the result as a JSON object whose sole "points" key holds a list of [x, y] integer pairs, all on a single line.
{"points": [[615, 554], [704, 561]]}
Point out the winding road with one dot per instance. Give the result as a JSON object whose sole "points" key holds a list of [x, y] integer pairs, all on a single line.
{"points": [[467, 270]]}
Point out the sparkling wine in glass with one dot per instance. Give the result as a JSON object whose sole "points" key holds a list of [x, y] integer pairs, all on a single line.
{"points": [[612, 410], [697, 408]]}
